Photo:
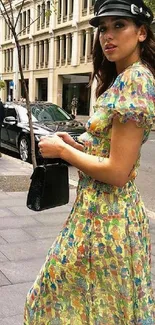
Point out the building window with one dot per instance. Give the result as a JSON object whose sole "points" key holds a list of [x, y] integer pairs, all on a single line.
{"points": [[65, 10], [71, 9], [8, 60], [21, 23], [38, 15], [63, 61], [85, 4], [84, 8], [7, 32], [28, 20], [69, 48], [43, 16], [46, 50], [37, 55], [58, 51], [91, 41], [83, 46], [59, 11], [48, 14], [24, 22]]}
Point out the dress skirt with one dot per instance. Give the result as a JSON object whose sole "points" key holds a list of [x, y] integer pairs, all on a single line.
{"points": [[98, 270]]}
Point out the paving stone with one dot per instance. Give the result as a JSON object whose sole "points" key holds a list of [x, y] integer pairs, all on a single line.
{"points": [[17, 194], [3, 279], [4, 195], [22, 212], [15, 235], [12, 202], [2, 257], [43, 232], [21, 272], [12, 299], [152, 223], [25, 251], [2, 241], [5, 212], [52, 219], [17, 222], [153, 249], [26, 211], [153, 259], [13, 320]]}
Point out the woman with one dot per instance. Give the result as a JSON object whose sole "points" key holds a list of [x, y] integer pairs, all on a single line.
{"points": [[98, 270]]}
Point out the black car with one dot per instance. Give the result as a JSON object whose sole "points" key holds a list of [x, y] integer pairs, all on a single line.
{"points": [[47, 119]]}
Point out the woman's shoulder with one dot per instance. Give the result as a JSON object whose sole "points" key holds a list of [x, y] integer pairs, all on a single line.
{"points": [[136, 73]]}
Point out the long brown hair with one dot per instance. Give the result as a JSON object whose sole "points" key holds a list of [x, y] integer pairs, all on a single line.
{"points": [[105, 71]]}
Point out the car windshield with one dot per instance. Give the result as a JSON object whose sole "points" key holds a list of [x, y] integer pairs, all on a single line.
{"points": [[49, 113], [43, 112]]}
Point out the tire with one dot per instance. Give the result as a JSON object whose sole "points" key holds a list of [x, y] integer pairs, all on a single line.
{"points": [[24, 149]]}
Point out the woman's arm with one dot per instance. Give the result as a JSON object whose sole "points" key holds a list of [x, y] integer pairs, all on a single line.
{"points": [[125, 145]]}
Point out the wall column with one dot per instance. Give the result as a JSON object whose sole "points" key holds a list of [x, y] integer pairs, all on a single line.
{"points": [[75, 50], [32, 66], [76, 12], [51, 81]]}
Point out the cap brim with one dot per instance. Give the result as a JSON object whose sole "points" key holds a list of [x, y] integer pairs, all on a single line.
{"points": [[96, 20]]}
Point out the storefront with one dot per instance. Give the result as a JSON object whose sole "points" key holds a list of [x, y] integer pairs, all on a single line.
{"points": [[42, 86], [23, 95], [9, 90], [76, 94]]}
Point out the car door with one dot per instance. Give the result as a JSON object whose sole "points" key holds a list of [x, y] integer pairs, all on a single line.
{"points": [[9, 129]]}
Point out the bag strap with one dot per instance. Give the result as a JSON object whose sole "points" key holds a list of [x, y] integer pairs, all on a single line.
{"points": [[59, 162]]}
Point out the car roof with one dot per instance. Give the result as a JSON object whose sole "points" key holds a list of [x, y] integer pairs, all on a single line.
{"points": [[19, 103]]}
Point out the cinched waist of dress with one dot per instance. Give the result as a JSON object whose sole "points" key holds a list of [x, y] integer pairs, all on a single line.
{"points": [[87, 181]]}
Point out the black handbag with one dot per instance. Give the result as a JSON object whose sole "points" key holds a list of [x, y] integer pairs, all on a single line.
{"points": [[49, 187]]}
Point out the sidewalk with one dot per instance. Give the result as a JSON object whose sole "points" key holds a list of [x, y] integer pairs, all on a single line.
{"points": [[25, 237]]}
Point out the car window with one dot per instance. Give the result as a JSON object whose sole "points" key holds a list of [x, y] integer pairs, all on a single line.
{"points": [[10, 111], [49, 113], [23, 115]]}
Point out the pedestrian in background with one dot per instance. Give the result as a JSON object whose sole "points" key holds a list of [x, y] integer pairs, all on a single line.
{"points": [[1, 119], [98, 270], [74, 106]]}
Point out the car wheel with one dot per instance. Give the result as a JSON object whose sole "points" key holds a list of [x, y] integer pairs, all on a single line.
{"points": [[24, 149]]}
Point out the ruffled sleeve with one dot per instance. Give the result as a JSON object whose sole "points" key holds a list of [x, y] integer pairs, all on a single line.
{"points": [[134, 97]]}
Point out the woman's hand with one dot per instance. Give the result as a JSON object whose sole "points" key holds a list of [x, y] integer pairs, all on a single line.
{"points": [[51, 147], [66, 138], [69, 140]]}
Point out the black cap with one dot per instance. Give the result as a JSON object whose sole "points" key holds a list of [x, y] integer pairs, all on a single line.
{"points": [[123, 8]]}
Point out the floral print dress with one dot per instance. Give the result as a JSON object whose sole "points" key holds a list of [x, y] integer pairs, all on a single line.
{"points": [[98, 270]]}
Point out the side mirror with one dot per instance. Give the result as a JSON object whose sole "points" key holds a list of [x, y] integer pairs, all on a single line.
{"points": [[10, 120]]}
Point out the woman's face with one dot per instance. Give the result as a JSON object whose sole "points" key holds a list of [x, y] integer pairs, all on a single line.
{"points": [[120, 40]]}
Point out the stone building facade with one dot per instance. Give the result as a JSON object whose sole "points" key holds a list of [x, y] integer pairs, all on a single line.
{"points": [[56, 53]]}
